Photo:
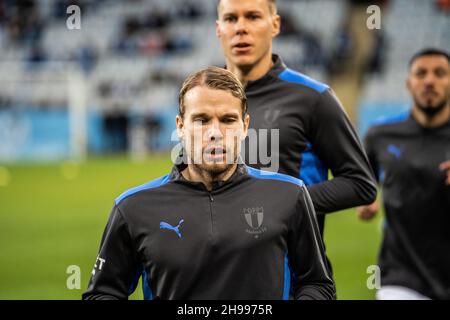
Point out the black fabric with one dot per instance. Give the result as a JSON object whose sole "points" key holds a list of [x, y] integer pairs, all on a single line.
{"points": [[310, 116], [232, 243], [416, 246]]}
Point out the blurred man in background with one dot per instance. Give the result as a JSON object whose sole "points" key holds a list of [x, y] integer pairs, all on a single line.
{"points": [[315, 134], [411, 159], [213, 228]]}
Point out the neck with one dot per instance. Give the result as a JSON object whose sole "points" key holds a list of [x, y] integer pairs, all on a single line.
{"points": [[431, 122], [194, 173], [252, 72]]}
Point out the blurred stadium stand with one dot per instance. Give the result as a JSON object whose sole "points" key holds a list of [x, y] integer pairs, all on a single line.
{"points": [[131, 57]]}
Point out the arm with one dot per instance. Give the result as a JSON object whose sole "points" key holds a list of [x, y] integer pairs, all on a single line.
{"points": [[368, 212], [116, 270], [312, 279], [337, 145]]}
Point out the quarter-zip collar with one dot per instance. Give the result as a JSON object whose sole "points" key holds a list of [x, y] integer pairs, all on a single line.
{"points": [[238, 176], [269, 77]]}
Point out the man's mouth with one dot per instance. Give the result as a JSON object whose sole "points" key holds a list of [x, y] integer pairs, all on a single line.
{"points": [[430, 93], [242, 47], [215, 152]]}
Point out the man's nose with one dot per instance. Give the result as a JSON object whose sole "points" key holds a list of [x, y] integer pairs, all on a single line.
{"points": [[241, 26], [214, 132], [430, 80]]}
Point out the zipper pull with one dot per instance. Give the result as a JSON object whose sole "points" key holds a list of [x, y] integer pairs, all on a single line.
{"points": [[211, 197]]}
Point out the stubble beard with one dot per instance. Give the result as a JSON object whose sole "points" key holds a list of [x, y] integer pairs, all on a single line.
{"points": [[431, 111], [215, 172]]}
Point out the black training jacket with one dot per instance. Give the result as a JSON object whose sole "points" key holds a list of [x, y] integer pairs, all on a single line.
{"points": [[416, 245], [315, 136], [254, 236]]}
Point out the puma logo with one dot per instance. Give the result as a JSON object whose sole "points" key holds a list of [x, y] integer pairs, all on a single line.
{"points": [[397, 152], [165, 225]]}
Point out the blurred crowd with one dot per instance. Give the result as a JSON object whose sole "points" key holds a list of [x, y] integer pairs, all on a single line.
{"points": [[22, 24]]}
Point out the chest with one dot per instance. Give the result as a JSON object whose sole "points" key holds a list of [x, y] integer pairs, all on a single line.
{"points": [[204, 228], [413, 157], [278, 123]]}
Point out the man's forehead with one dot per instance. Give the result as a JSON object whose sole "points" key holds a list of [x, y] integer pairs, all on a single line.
{"points": [[214, 109], [430, 61], [231, 6], [202, 99], [204, 92]]}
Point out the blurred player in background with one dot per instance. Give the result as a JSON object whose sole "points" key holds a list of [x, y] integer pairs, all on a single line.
{"points": [[315, 134], [411, 159]]}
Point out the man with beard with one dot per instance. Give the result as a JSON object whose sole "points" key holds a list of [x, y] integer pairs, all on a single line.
{"points": [[411, 158], [213, 228]]}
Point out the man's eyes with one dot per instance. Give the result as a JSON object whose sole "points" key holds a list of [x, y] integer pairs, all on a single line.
{"points": [[234, 19], [421, 73], [224, 120], [229, 120], [253, 17], [230, 19], [440, 73]]}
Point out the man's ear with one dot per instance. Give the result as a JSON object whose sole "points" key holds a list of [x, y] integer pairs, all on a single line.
{"points": [[218, 34], [276, 25], [408, 85], [180, 127]]}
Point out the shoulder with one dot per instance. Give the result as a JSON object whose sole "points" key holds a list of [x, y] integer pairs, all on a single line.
{"points": [[156, 183], [387, 125], [301, 80], [278, 178], [317, 96], [308, 93]]}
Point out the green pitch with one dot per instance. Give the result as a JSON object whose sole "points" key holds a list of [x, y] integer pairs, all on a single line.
{"points": [[52, 216]]}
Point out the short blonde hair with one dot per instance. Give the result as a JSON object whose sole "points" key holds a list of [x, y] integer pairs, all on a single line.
{"points": [[213, 78]]}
